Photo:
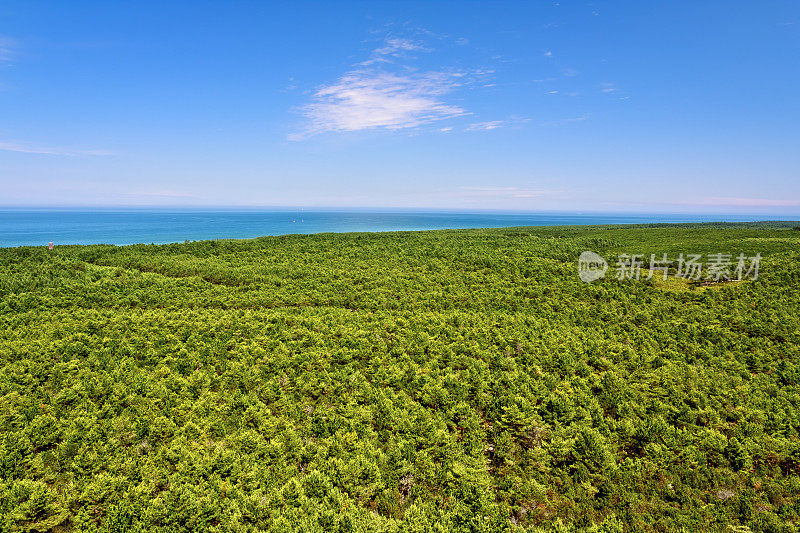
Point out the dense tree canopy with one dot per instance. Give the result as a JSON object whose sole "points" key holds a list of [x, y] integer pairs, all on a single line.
{"points": [[411, 381]]}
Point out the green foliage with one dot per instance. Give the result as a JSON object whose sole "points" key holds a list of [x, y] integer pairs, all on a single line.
{"points": [[412, 381]]}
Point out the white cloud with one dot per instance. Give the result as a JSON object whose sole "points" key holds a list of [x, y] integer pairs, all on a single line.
{"points": [[484, 126], [34, 149], [362, 100], [548, 53], [608, 87], [375, 96]]}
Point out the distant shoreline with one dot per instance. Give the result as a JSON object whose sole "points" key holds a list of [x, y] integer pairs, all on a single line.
{"points": [[38, 227]]}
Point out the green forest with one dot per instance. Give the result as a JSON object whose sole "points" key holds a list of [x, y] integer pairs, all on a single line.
{"points": [[435, 381]]}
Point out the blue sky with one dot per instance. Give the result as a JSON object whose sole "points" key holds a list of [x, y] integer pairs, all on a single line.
{"points": [[606, 106]]}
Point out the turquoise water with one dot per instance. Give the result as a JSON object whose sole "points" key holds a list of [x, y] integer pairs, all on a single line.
{"points": [[37, 227]]}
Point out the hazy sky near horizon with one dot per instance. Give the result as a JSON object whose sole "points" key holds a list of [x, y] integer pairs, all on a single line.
{"points": [[604, 106]]}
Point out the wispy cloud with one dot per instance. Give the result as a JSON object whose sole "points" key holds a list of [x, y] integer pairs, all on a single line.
{"points": [[363, 100], [608, 87], [747, 202], [505, 192], [34, 149], [564, 121], [6, 48], [395, 47], [484, 126], [166, 193], [382, 94]]}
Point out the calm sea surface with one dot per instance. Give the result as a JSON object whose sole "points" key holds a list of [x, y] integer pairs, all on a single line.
{"points": [[37, 227]]}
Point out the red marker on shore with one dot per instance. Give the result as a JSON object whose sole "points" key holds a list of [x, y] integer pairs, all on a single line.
{"points": [[50, 246]]}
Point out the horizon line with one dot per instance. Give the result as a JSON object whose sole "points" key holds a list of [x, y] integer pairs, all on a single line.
{"points": [[387, 209]]}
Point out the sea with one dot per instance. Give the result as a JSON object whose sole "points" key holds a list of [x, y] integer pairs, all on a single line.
{"points": [[38, 227]]}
